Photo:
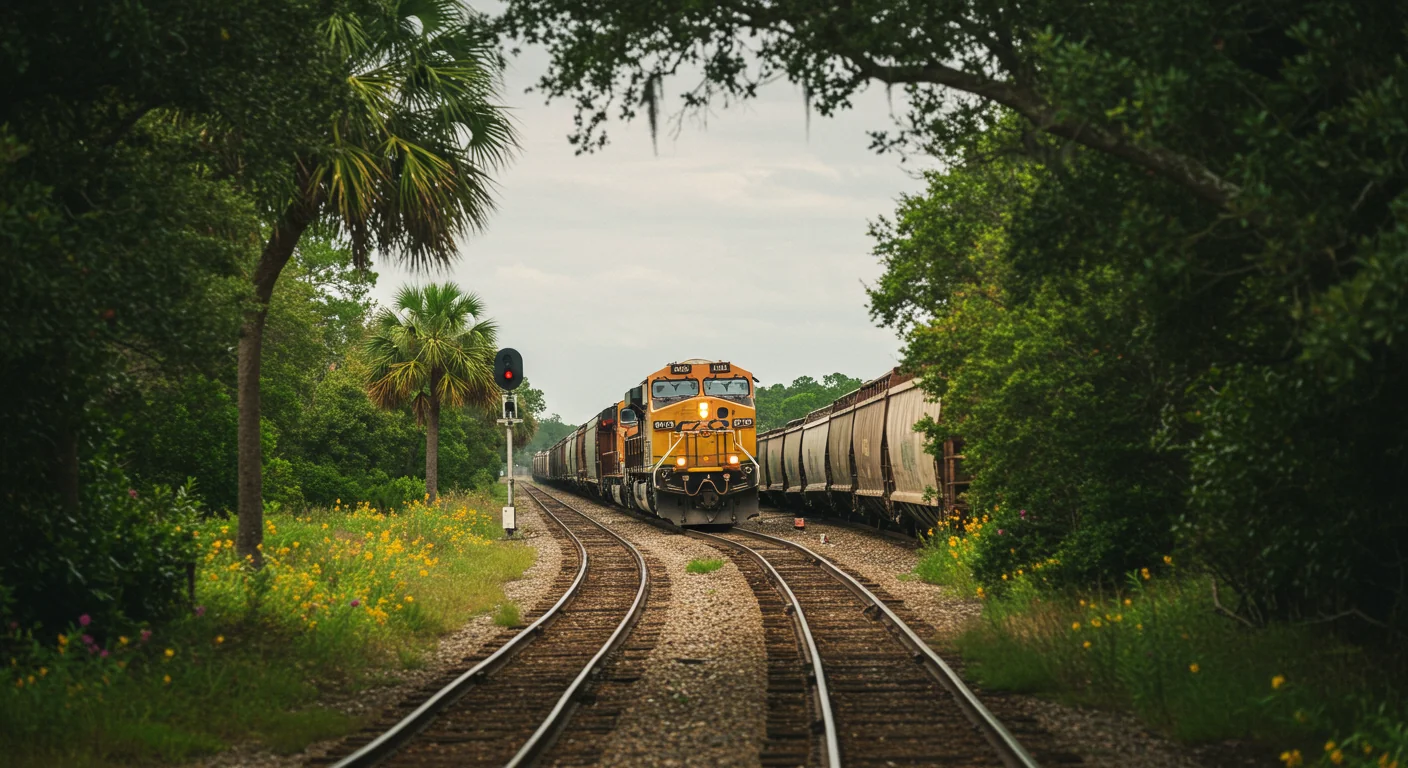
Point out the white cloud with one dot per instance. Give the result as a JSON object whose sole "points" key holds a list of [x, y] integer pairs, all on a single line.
{"points": [[743, 240]]}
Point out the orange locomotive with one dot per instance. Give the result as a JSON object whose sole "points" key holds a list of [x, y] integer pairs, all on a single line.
{"points": [[681, 446]]}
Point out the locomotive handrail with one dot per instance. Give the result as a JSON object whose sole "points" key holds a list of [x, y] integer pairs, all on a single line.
{"points": [[392, 738], [809, 649], [1011, 751]]}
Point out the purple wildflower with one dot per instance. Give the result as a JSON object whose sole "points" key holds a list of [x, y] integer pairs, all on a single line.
{"points": [[200, 610], [85, 620], [103, 654], [146, 635], [87, 639], [356, 602], [132, 492], [1000, 531], [1023, 513]]}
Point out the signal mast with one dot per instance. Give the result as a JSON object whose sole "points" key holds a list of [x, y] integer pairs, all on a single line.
{"points": [[508, 372]]}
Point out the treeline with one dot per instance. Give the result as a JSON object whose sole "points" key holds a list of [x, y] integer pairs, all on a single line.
{"points": [[1159, 283], [778, 404], [324, 440], [190, 195]]}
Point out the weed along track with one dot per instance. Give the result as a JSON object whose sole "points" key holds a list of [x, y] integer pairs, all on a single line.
{"points": [[509, 707], [891, 699]]}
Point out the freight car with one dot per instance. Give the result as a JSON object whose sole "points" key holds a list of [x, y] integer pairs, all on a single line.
{"points": [[680, 446], [861, 457]]}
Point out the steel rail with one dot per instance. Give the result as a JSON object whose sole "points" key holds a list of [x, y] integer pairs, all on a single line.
{"points": [[393, 738], [547, 731], [799, 619], [1011, 751]]}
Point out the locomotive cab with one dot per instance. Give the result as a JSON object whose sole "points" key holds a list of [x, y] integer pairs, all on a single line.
{"points": [[693, 459]]}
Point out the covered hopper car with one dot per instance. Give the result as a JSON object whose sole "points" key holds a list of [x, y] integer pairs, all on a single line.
{"points": [[861, 457]]}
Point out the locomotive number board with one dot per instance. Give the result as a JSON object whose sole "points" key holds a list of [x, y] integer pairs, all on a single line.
{"points": [[742, 422], [664, 425], [677, 368], [720, 367]]}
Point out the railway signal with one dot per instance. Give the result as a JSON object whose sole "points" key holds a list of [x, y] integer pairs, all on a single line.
{"points": [[508, 372], [508, 368]]}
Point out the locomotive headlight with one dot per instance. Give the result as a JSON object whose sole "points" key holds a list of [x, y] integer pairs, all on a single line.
{"points": [[732, 459], [703, 409], [679, 462]]}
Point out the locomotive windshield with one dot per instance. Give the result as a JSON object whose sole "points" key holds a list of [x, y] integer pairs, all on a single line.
{"points": [[671, 389], [726, 387]]}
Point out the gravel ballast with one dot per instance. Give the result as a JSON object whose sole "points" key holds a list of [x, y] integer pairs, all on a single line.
{"points": [[701, 699]]}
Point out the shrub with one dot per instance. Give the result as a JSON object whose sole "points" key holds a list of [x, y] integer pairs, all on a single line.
{"points": [[122, 557], [394, 494]]}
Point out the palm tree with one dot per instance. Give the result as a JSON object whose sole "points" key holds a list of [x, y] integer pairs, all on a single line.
{"points": [[433, 350], [404, 171]]}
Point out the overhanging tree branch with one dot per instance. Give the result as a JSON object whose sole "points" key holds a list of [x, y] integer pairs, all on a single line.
{"points": [[1180, 169]]}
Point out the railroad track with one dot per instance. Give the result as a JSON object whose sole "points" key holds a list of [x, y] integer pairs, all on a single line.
{"points": [[509, 707], [879, 694]]}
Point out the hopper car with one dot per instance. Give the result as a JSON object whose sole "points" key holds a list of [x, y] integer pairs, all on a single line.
{"points": [[860, 457], [680, 446]]}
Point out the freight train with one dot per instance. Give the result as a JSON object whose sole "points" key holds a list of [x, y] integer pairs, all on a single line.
{"points": [[680, 446], [861, 457]]}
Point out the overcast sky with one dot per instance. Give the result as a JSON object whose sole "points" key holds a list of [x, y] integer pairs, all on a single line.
{"points": [[743, 240]]}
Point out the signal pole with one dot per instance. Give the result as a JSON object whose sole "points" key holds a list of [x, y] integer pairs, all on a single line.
{"points": [[510, 404], [508, 372]]}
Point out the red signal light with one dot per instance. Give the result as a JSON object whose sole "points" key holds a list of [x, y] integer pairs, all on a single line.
{"points": [[508, 374]]}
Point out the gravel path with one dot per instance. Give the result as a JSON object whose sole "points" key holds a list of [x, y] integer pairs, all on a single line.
{"points": [[1098, 738], [529, 592], [701, 699]]}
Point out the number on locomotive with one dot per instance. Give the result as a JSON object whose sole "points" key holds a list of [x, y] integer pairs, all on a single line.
{"points": [[664, 425], [681, 368], [742, 422], [720, 367]]}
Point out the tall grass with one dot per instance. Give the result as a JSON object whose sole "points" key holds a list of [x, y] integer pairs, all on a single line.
{"points": [[1160, 648], [346, 596]]}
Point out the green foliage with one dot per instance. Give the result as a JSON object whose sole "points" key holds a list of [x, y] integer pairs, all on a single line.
{"points": [[251, 660], [780, 404], [130, 197], [507, 615], [703, 565], [1161, 649], [121, 556]]}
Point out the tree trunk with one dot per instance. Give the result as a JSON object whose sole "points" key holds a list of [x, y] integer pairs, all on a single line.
{"points": [[432, 442], [67, 460], [251, 349]]}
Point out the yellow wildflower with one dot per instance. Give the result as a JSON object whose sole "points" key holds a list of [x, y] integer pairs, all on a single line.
{"points": [[1075, 626], [1292, 758], [1278, 681], [1194, 667], [166, 679], [170, 653]]}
